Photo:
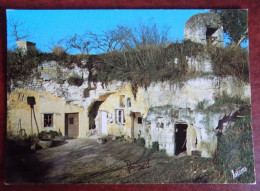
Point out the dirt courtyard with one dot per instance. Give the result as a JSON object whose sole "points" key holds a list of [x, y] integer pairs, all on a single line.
{"points": [[86, 161]]}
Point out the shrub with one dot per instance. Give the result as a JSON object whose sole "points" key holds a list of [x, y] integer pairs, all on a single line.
{"points": [[59, 51], [235, 149], [230, 60], [226, 99], [122, 138], [53, 133], [140, 141], [48, 134], [155, 146], [21, 66], [75, 81], [147, 64]]}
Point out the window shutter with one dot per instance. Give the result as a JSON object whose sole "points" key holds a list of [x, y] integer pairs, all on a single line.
{"points": [[116, 116], [123, 116]]}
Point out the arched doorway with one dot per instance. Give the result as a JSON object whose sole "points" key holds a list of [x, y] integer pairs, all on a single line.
{"points": [[93, 114]]}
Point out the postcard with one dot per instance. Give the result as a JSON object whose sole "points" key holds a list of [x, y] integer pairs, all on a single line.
{"points": [[128, 97]]}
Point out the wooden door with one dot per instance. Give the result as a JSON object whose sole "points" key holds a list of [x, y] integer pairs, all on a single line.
{"points": [[72, 125]]}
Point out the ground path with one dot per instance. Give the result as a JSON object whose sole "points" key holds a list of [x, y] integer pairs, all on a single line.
{"points": [[86, 161]]}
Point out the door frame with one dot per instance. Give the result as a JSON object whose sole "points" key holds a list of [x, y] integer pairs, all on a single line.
{"points": [[101, 123], [66, 123]]}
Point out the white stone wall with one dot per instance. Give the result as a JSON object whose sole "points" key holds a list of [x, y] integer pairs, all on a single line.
{"points": [[185, 98], [196, 27]]}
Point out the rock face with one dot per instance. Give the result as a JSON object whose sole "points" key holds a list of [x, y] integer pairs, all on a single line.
{"points": [[174, 115], [174, 107]]}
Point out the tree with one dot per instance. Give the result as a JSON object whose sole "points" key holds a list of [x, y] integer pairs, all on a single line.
{"points": [[82, 43], [125, 38], [119, 38], [17, 31], [235, 24], [113, 39], [149, 35]]}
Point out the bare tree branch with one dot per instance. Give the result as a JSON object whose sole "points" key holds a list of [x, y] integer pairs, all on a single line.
{"points": [[17, 30]]}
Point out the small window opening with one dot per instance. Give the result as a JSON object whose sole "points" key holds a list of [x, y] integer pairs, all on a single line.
{"points": [[128, 102], [48, 120], [140, 120], [210, 31], [122, 101]]}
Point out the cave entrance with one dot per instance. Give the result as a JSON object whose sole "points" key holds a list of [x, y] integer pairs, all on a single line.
{"points": [[180, 138], [93, 114]]}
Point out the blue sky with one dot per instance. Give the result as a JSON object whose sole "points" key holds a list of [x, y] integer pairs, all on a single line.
{"points": [[47, 25]]}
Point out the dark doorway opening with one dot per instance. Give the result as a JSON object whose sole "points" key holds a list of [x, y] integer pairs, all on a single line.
{"points": [[180, 138], [93, 114], [210, 31]]}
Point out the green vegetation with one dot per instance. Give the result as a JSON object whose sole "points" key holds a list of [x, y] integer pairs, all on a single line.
{"points": [[166, 109], [148, 64], [21, 66], [141, 64], [200, 105], [49, 134], [223, 100], [235, 149], [122, 138], [75, 80], [234, 24], [155, 146], [227, 100], [140, 141], [230, 61]]}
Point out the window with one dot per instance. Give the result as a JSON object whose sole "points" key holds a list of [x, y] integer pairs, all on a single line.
{"points": [[120, 117], [128, 102], [48, 120], [139, 120], [209, 35], [122, 101]]}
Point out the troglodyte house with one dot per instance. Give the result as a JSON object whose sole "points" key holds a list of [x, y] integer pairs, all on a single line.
{"points": [[172, 114]]}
